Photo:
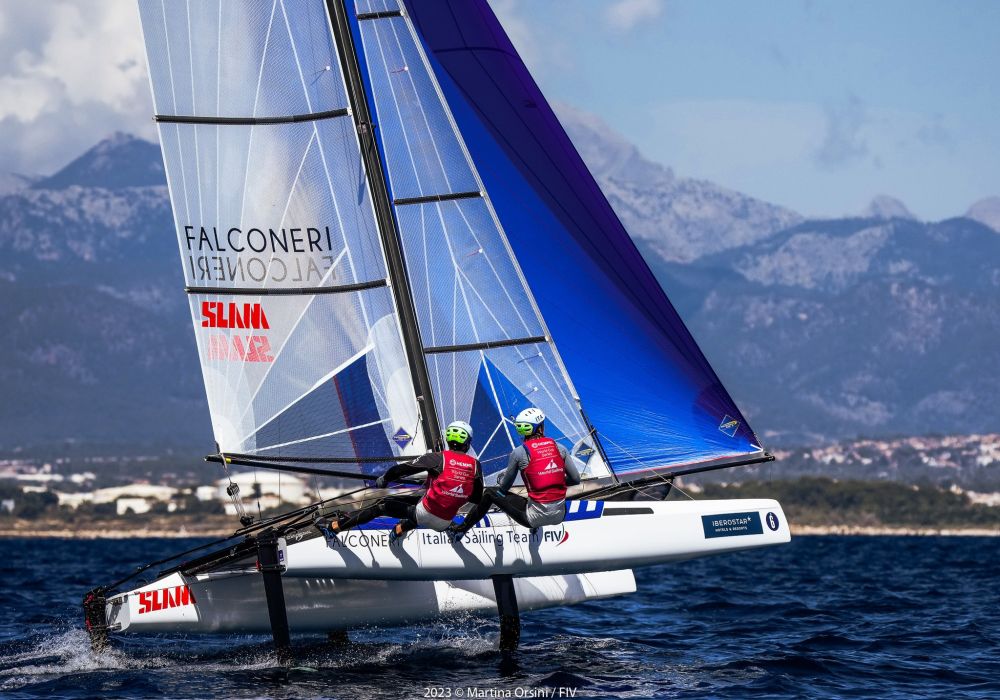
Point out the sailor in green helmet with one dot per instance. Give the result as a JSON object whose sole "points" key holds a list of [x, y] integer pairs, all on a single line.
{"points": [[454, 478]]}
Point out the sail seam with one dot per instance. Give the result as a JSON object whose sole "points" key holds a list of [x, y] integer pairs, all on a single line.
{"points": [[429, 198], [252, 121], [289, 291], [486, 345]]}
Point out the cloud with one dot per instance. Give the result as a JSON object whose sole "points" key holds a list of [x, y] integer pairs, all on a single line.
{"points": [[542, 56], [624, 15], [71, 72], [844, 142]]}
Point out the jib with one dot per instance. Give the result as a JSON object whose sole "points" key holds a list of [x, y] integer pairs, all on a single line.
{"points": [[218, 314], [164, 598]]}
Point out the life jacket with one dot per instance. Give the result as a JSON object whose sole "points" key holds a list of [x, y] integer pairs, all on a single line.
{"points": [[545, 475], [450, 490]]}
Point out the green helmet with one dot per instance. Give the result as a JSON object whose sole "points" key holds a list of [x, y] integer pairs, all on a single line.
{"points": [[458, 432]]}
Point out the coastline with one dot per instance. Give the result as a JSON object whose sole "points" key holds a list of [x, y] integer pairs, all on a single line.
{"points": [[62, 531]]}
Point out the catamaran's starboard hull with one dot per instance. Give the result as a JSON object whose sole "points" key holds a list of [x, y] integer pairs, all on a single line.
{"points": [[596, 536], [218, 603]]}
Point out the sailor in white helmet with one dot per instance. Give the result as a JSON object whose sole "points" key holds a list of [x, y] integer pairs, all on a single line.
{"points": [[453, 479], [546, 468]]}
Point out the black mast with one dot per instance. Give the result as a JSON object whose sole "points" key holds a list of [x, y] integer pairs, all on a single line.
{"points": [[388, 229]]}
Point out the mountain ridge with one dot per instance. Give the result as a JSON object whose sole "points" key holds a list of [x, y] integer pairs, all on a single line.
{"points": [[821, 329]]}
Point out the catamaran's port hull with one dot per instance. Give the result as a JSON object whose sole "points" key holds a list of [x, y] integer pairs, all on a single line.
{"points": [[361, 579], [227, 603]]}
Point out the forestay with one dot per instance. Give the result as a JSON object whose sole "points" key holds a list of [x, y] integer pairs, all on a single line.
{"points": [[295, 321]]}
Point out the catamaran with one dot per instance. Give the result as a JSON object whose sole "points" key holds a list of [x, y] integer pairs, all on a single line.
{"points": [[383, 226]]}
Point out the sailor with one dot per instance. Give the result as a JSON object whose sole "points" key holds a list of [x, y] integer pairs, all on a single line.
{"points": [[454, 478], [546, 469]]}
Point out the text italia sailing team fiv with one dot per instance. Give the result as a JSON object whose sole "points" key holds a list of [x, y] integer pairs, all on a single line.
{"points": [[455, 478]]}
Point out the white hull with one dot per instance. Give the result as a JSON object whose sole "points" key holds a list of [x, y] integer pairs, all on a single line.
{"points": [[236, 602], [596, 536], [360, 579]]}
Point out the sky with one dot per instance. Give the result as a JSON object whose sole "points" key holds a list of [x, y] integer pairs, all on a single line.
{"points": [[816, 105]]}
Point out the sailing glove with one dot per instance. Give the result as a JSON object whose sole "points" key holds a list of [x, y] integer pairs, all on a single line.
{"points": [[381, 483]]}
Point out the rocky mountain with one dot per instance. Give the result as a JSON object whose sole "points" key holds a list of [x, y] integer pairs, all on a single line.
{"points": [[987, 212], [855, 327], [886, 207], [121, 161], [680, 219], [822, 330], [99, 346]]}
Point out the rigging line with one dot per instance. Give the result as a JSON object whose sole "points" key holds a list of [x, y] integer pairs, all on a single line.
{"points": [[492, 435], [493, 389], [240, 368], [489, 204], [326, 167], [173, 97], [288, 204], [390, 238], [417, 176], [194, 109], [652, 469], [325, 435], [559, 404], [288, 338], [454, 339], [409, 151], [430, 306], [319, 382], [218, 103]]}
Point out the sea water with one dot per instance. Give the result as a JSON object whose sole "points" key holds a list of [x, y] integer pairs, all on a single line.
{"points": [[823, 617]]}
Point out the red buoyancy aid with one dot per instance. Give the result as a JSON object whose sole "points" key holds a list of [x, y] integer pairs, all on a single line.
{"points": [[450, 490], [545, 475]]}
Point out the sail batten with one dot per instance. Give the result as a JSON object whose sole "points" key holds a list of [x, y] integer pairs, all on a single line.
{"points": [[251, 121]]}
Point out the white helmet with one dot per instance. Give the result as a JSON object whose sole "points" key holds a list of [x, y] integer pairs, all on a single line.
{"points": [[528, 421]]}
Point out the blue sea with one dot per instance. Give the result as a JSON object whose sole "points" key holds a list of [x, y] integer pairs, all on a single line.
{"points": [[824, 617]]}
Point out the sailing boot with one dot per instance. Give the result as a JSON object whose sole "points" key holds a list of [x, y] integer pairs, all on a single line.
{"points": [[397, 533], [457, 532], [329, 526]]}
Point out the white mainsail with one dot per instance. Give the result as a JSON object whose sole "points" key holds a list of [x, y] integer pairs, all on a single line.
{"points": [[295, 321]]}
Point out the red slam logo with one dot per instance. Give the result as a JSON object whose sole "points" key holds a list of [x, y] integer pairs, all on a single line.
{"points": [[164, 598], [239, 347]]}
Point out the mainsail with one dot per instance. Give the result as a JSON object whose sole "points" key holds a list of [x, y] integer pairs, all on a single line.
{"points": [[294, 313], [383, 227]]}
